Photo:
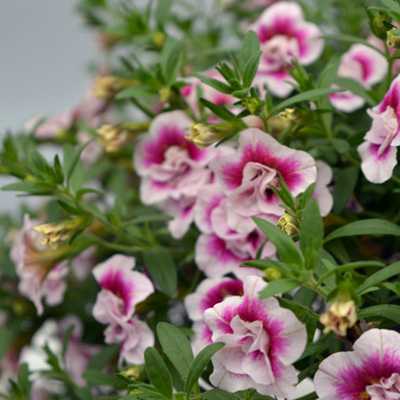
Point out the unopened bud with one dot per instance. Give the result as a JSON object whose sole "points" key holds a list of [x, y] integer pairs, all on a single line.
{"points": [[341, 315], [378, 26], [253, 105], [158, 40], [272, 274], [107, 86], [132, 372], [108, 40], [289, 225], [55, 234], [203, 135], [393, 38]]}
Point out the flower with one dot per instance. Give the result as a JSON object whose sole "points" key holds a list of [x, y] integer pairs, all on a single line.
{"points": [[393, 39], [341, 315], [261, 340], [379, 151], [203, 135], [364, 65], [247, 174], [289, 225], [321, 192], [40, 276], [121, 287], [371, 371], [105, 87], [284, 35]]}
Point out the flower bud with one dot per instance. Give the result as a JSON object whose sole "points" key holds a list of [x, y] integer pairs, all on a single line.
{"points": [[115, 137], [158, 40], [203, 135], [131, 373], [393, 38], [341, 315], [272, 274], [378, 26], [289, 225], [108, 40], [56, 233], [107, 86], [253, 105]]}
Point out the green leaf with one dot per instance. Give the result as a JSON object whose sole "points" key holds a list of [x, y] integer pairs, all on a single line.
{"points": [[217, 394], [134, 91], [214, 83], [96, 377], [176, 346], [199, 363], [219, 111], [329, 73], [70, 209], [163, 11], [287, 250], [102, 358], [311, 234], [250, 46], [356, 88], [6, 337], [380, 276], [162, 269], [65, 340], [250, 69], [305, 96], [171, 59], [391, 4], [73, 161], [158, 372], [279, 286], [29, 187], [365, 227], [389, 311], [345, 184], [351, 39], [340, 145], [23, 379]]}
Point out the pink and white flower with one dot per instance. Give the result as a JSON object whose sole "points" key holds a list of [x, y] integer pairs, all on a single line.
{"points": [[122, 289], [247, 174], [169, 165], [261, 340], [364, 65], [209, 293], [379, 151], [371, 371], [284, 35], [35, 266], [321, 191]]}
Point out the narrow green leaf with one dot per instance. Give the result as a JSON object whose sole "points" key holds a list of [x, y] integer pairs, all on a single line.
{"points": [[158, 372], [214, 83], [96, 377], [76, 157], [199, 363], [29, 187], [356, 88], [66, 338], [171, 59], [163, 11], [287, 250], [279, 286], [176, 346], [101, 359], [134, 91], [391, 4], [380, 276], [311, 234], [365, 227], [328, 74], [250, 69], [250, 46], [351, 39], [389, 311], [219, 111], [6, 337], [217, 394], [162, 269], [305, 96], [345, 184]]}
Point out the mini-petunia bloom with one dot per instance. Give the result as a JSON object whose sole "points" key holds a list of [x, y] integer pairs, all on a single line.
{"points": [[284, 35], [121, 287], [379, 150], [209, 293], [169, 165], [261, 340], [370, 372], [247, 174], [40, 276], [364, 65], [321, 192]]}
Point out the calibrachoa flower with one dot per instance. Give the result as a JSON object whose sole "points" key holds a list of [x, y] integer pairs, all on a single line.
{"points": [[209, 293], [379, 151], [121, 287], [35, 266], [284, 35], [261, 340], [321, 191], [371, 371], [364, 65], [247, 174]]}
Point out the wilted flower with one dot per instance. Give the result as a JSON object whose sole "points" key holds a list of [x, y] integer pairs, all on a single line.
{"points": [[370, 372], [261, 340], [203, 135], [289, 225], [393, 38], [341, 315], [106, 87]]}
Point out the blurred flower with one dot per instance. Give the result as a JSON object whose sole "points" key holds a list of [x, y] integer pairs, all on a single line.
{"points": [[204, 135], [261, 340], [393, 38], [341, 315], [289, 225], [321, 191], [105, 87], [284, 35], [371, 371]]}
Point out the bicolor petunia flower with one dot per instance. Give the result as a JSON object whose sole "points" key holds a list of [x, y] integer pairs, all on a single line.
{"points": [[40, 276], [209, 293], [261, 340], [379, 151], [284, 35], [364, 65], [121, 289], [247, 174], [321, 191], [370, 372]]}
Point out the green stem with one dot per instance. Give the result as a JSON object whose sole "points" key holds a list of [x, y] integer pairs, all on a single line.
{"points": [[116, 246]]}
